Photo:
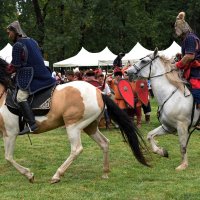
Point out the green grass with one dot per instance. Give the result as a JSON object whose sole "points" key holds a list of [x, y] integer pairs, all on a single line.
{"points": [[128, 179]]}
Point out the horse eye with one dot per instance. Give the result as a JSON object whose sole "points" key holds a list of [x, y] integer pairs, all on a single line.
{"points": [[143, 61]]}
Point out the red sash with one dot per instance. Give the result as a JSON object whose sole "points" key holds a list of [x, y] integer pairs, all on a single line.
{"points": [[187, 68]]}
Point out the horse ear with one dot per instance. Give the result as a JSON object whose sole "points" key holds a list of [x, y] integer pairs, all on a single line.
{"points": [[155, 52]]}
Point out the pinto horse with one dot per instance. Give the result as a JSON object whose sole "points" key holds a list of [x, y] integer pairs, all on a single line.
{"points": [[77, 106], [177, 111]]}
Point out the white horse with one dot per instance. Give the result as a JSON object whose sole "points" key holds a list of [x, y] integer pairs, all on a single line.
{"points": [[177, 111], [77, 106]]}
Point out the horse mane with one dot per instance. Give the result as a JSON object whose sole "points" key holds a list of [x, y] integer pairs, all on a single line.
{"points": [[174, 76], [4, 75]]}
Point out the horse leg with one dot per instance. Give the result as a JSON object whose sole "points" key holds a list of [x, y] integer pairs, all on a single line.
{"points": [[156, 149], [183, 137], [74, 135], [9, 145], [103, 142]]}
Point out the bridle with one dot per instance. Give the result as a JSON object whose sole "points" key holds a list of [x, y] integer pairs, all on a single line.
{"points": [[150, 68]]}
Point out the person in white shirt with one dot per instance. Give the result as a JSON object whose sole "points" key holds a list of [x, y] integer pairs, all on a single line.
{"points": [[106, 90]]}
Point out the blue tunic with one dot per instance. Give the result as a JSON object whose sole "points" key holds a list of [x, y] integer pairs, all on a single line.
{"points": [[31, 73], [189, 46]]}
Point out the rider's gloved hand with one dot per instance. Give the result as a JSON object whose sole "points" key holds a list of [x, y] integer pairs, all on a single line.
{"points": [[10, 69]]}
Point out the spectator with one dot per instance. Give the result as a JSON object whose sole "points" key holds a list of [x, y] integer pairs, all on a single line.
{"points": [[90, 78], [106, 90], [147, 111], [113, 84], [58, 78], [70, 76], [53, 74]]}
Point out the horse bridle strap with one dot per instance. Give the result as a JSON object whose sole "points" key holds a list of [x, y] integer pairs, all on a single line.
{"points": [[161, 107], [149, 77], [138, 69]]}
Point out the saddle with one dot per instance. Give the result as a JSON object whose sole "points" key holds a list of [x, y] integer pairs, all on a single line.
{"points": [[39, 102]]}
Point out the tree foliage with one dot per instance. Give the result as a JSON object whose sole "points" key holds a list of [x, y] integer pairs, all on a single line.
{"points": [[62, 27]]}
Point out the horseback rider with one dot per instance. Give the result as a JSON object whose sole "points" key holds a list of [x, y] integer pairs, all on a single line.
{"points": [[190, 58], [31, 73]]}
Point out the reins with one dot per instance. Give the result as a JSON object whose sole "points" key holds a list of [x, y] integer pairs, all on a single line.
{"points": [[161, 107], [149, 77]]}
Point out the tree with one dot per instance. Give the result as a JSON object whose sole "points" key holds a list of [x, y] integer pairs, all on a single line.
{"points": [[63, 27], [8, 13]]}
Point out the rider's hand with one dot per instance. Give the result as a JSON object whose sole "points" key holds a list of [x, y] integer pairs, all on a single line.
{"points": [[10, 69], [173, 66]]}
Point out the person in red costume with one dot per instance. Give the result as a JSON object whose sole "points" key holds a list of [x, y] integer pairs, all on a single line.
{"points": [[113, 84]]}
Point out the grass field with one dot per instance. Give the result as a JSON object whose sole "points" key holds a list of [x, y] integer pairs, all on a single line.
{"points": [[128, 179]]}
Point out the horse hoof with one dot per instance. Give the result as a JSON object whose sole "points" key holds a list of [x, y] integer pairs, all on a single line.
{"points": [[105, 176], [165, 153], [181, 167], [55, 180], [178, 169], [31, 179]]}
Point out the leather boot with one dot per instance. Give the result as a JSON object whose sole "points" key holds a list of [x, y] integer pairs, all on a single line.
{"points": [[107, 125], [139, 116], [139, 121], [29, 118]]}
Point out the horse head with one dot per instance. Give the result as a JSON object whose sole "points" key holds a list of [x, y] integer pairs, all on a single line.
{"points": [[5, 77], [142, 69]]}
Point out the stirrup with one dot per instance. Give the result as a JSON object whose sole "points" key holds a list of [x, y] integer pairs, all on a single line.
{"points": [[28, 129]]}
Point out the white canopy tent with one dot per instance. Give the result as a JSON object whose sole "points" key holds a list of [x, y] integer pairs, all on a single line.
{"points": [[83, 58], [137, 52], [106, 57], [86, 58], [46, 63], [6, 53], [171, 51]]}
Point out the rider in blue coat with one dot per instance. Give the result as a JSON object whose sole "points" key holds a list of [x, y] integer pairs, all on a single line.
{"points": [[31, 73]]}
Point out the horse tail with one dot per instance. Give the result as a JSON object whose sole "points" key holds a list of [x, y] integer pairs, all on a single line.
{"points": [[128, 130]]}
